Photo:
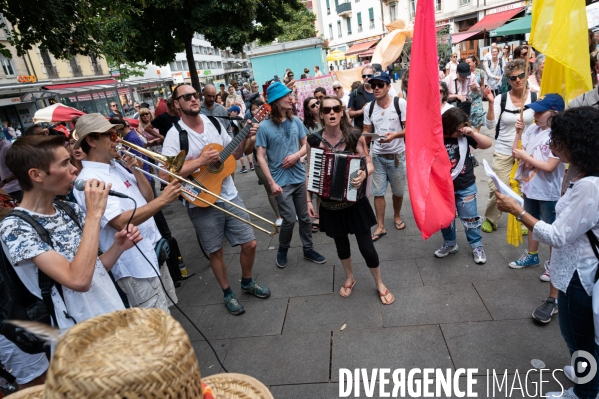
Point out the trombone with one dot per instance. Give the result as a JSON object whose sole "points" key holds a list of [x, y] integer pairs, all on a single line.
{"points": [[172, 165]]}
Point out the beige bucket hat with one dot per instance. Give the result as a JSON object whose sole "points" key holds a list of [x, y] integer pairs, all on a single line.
{"points": [[92, 123]]}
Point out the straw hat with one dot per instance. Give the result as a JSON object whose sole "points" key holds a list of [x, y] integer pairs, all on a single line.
{"points": [[92, 123], [138, 353]]}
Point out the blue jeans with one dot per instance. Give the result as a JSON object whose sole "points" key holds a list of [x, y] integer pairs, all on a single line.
{"points": [[575, 311], [466, 210]]}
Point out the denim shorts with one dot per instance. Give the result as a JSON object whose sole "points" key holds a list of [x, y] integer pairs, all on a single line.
{"points": [[540, 210], [212, 225], [386, 171]]}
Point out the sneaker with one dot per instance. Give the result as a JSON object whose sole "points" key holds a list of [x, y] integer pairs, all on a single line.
{"points": [[479, 255], [243, 170], [282, 258], [525, 260], [314, 256], [256, 290], [569, 373], [543, 313], [545, 276], [279, 222], [568, 394], [445, 250], [251, 166], [233, 305]]}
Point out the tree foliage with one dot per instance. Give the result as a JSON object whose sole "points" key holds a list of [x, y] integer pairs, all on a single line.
{"points": [[300, 26], [127, 69]]}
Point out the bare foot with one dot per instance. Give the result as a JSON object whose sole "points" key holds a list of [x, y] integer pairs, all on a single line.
{"points": [[386, 297], [347, 288]]}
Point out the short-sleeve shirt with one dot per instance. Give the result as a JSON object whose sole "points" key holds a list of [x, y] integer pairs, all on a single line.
{"points": [[281, 141], [13, 185], [466, 177], [452, 66], [385, 121], [197, 142], [131, 263], [164, 122], [218, 110], [21, 244]]}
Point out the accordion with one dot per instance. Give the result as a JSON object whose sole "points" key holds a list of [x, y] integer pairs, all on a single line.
{"points": [[331, 174]]}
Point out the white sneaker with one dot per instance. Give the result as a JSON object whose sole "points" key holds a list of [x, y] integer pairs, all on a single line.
{"points": [[568, 394], [279, 222], [545, 276], [479, 255], [569, 373], [445, 250]]}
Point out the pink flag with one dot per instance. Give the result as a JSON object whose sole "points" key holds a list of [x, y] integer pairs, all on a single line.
{"points": [[428, 167]]}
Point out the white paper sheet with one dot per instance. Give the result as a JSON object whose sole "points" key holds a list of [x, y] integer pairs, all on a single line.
{"points": [[501, 186]]}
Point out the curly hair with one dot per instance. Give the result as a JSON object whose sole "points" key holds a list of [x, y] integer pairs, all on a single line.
{"points": [[514, 65], [577, 131]]}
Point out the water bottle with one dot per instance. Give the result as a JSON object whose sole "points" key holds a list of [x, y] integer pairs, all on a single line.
{"points": [[182, 268]]}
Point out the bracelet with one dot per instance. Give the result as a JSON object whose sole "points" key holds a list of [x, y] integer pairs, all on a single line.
{"points": [[519, 218]]}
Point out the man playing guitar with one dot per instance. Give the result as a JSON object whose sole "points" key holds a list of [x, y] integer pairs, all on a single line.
{"points": [[212, 225]]}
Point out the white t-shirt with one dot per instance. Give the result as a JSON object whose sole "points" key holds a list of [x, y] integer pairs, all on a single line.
{"points": [[446, 107], [131, 263], [197, 142], [452, 66], [345, 99], [537, 184], [21, 243], [507, 128], [386, 120]]}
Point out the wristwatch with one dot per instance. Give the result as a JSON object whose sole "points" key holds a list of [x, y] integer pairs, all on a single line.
{"points": [[519, 218]]}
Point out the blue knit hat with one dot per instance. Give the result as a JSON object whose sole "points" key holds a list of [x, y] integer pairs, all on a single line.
{"points": [[234, 108], [275, 91]]}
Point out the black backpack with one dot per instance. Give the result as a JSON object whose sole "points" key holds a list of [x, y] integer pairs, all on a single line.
{"points": [[395, 103], [184, 142], [500, 64], [533, 98], [17, 302]]}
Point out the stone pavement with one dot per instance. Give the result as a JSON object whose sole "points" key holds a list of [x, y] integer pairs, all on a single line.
{"points": [[448, 313]]}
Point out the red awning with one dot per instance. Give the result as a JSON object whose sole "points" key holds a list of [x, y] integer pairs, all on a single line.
{"points": [[367, 53], [459, 37], [80, 84], [359, 48], [494, 21]]}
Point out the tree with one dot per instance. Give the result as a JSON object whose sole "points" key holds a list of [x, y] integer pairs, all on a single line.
{"points": [[300, 26], [127, 69]]}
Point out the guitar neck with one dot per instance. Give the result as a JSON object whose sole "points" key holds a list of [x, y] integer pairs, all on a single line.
{"points": [[228, 150]]}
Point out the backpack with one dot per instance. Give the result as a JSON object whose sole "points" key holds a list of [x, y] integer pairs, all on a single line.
{"points": [[500, 64], [184, 142], [533, 98], [17, 302], [395, 103]]}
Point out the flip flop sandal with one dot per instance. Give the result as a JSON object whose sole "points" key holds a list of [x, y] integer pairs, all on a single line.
{"points": [[315, 226], [384, 295], [350, 288], [377, 236], [398, 225]]}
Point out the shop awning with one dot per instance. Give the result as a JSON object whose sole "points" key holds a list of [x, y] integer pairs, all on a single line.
{"points": [[517, 27], [359, 48], [80, 84], [460, 37], [494, 21], [367, 53]]}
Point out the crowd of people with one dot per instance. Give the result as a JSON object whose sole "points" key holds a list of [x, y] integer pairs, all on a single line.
{"points": [[105, 248]]}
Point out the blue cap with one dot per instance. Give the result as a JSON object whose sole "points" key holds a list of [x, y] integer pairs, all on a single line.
{"points": [[553, 102], [382, 76], [275, 91], [235, 108]]}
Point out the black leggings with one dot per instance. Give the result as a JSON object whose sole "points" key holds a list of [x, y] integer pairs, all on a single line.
{"points": [[365, 245]]}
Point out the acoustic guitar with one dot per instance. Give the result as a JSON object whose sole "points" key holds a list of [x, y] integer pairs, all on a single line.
{"points": [[211, 176]]}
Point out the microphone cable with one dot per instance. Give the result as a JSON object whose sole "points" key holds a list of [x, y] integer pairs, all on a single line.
{"points": [[166, 292]]}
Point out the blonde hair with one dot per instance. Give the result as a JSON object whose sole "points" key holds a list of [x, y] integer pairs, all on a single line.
{"points": [[142, 124]]}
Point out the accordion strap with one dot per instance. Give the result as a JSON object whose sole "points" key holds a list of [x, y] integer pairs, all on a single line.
{"points": [[319, 135]]}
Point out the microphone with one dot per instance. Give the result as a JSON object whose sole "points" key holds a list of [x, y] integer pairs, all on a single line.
{"points": [[80, 185]]}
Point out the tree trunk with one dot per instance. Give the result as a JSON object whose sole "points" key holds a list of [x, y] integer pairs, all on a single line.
{"points": [[193, 72]]}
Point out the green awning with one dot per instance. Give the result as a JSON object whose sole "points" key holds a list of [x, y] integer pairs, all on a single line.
{"points": [[519, 26]]}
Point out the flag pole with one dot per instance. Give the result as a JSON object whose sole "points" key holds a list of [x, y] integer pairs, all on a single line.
{"points": [[525, 80]]}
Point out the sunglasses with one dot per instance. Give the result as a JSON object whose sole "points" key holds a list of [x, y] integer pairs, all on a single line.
{"points": [[524, 54], [113, 105], [380, 85], [144, 114], [112, 135], [336, 88], [313, 105], [327, 110], [137, 106], [453, 56], [187, 97], [513, 78], [290, 76], [366, 76]]}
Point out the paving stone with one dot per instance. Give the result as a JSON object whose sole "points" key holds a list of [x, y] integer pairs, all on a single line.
{"points": [[331, 312], [282, 359], [505, 345], [264, 317], [265, 261], [397, 347], [200, 290], [194, 313], [396, 275], [435, 305], [549, 381], [208, 362], [304, 391], [512, 299], [300, 281]]}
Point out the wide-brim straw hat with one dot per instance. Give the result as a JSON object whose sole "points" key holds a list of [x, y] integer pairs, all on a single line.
{"points": [[92, 123], [133, 353]]}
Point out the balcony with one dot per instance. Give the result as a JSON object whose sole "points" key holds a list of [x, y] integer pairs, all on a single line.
{"points": [[344, 9], [76, 70], [51, 71]]}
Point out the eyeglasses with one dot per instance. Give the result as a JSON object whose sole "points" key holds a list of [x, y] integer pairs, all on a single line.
{"points": [[313, 105], [290, 75], [113, 105], [112, 135], [137, 106], [187, 97], [336, 88], [513, 78], [524, 54], [327, 110], [366, 76], [144, 114], [380, 85], [454, 56]]}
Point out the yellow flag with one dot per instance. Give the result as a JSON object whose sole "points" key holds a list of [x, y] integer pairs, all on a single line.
{"points": [[559, 30]]}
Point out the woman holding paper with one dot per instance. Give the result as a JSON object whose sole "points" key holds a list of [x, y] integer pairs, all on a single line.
{"points": [[574, 140]]}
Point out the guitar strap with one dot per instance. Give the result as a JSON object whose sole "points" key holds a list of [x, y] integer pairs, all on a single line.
{"points": [[183, 140]]}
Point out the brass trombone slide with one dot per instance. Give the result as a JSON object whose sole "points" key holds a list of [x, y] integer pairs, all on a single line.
{"points": [[174, 164]]}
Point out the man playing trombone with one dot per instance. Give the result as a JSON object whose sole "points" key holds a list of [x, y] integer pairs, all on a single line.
{"points": [[98, 139], [212, 225]]}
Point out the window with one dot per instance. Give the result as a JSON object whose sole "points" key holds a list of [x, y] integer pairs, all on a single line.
{"points": [[371, 17], [392, 12], [348, 20], [464, 2], [179, 66], [7, 65], [331, 31], [339, 29], [197, 65], [412, 9], [220, 64], [359, 22], [173, 66], [185, 66], [328, 8], [437, 5]]}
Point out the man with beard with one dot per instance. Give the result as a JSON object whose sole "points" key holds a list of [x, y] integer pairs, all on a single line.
{"points": [[212, 225], [210, 107]]}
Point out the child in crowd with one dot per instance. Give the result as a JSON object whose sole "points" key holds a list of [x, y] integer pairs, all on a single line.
{"points": [[458, 137]]}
